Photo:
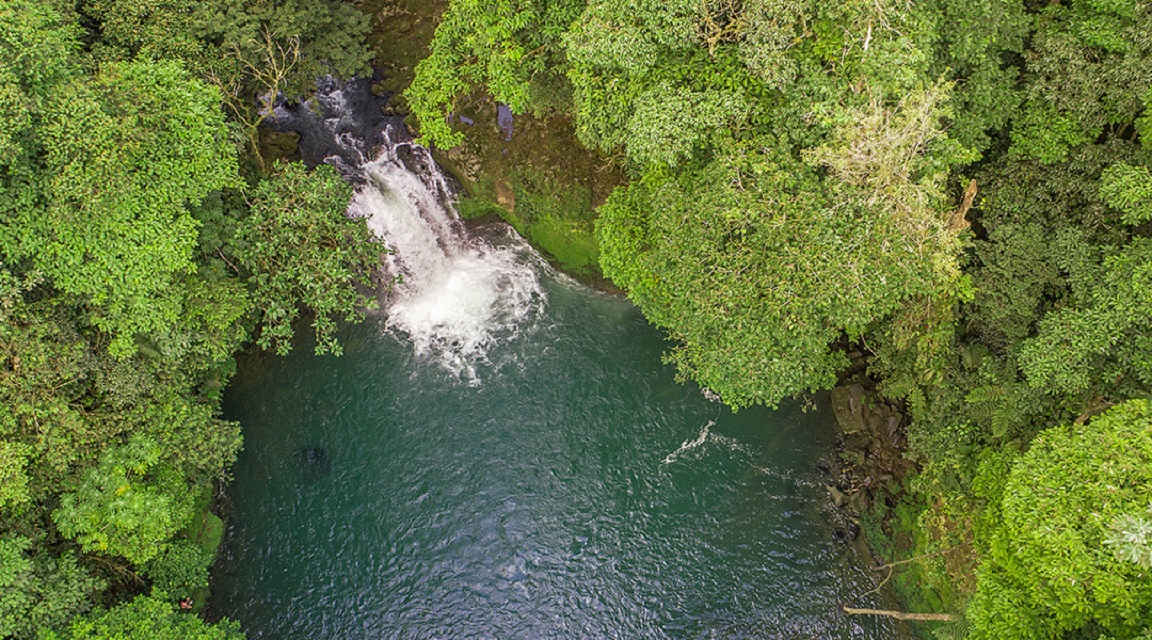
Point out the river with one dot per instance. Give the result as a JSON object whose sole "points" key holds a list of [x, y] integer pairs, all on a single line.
{"points": [[501, 454]]}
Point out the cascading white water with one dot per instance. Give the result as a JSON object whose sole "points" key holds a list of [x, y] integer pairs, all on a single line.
{"points": [[456, 294]]}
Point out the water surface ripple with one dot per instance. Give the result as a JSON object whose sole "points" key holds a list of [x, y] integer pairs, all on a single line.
{"points": [[578, 491]]}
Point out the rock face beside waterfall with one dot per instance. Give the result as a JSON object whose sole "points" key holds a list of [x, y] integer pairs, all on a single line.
{"points": [[540, 179]]}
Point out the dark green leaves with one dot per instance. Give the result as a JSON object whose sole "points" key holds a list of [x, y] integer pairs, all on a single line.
{"points": [[303, 252]]}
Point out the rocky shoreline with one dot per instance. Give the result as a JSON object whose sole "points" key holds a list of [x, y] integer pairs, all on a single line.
{"points": [[869, 450]]}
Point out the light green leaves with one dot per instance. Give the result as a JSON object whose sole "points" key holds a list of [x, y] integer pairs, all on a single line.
{"points": [[1129, 189], [13, 475], [1130, 537], [129, 505], [669, 123], [40, 592], [146, 618], [1050, 569], [1107, 339], [126, 152]]}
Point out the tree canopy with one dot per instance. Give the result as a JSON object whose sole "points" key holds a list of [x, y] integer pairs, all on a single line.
{"points": [[1065, 550], [140, 248], [959, 192]]}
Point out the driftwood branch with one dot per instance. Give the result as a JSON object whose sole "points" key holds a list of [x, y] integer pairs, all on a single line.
{"points": [[902, 615], [924, 555]]}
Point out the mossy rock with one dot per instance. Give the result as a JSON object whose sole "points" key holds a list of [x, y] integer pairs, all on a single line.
{"points": [[542, 181], [211, 534], [573, 245], [279, 145]]}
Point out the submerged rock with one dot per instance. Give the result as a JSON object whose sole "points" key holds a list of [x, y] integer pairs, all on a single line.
{"points": [[315, 459]]}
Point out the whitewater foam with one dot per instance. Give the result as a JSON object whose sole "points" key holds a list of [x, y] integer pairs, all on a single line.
{"points": [[456, 295]]}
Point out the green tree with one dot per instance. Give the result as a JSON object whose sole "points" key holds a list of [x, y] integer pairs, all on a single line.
{"points": [[146, 618], [125, 153], [1087, 69], [40, 592], [180, 570], [1103, 346], [220, 37], [303, 252], [510, 47], [37, 53], [129, 505], [1049, 568]]}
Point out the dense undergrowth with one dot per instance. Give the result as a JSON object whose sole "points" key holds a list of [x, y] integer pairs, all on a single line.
{"points": [[961, 190]]}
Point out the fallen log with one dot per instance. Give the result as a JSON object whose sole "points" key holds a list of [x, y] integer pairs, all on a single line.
{"points": [[902, 615]]}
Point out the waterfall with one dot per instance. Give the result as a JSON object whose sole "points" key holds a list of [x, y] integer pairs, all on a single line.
{"points": [[456, 294]]}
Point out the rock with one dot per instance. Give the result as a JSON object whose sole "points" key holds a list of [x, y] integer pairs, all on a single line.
{"points": [[856, 393], [893, 425], [505, 197], [860, 501], [277, 145], [858, 441], [399, 104], [315, 459], [390, 84], [838, 498], [875, 421], [850, 420]]}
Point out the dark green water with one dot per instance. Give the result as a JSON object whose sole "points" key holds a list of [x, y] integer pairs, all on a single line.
{"points": [[548, 501]]}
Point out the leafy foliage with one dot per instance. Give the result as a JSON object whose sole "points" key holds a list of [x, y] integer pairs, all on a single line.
{"points": [[128, 505], [40, 592], [1049, 570], [1085, 72], [146, 618], [303, 251], [216, 38], [509, 46], [180, 570], [1076, 348], [127, 152], [1129, 189]]}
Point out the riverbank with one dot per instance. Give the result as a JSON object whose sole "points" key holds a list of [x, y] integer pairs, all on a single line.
{"points": [[870, 488]]}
